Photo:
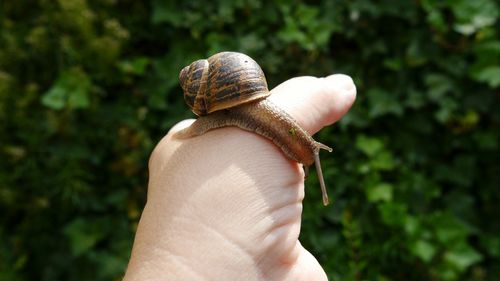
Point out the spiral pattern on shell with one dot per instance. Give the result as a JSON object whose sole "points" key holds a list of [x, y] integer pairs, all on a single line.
{"points": [[222, 81]]}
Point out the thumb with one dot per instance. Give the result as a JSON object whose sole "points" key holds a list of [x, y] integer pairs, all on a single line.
{"points": [[315, 102]]}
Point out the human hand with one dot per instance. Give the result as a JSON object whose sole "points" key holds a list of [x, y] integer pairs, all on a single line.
{"points": [[227, 205]]}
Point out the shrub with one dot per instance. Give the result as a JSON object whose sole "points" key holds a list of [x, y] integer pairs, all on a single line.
{"points": [[88, 87]]}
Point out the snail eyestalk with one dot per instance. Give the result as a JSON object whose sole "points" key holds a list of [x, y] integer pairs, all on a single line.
{"points": [[317, 163]]}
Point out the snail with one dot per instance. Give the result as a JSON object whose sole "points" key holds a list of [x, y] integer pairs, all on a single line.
{"points": [[230, 89]]}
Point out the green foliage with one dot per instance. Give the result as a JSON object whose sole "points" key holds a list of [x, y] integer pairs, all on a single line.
{"points": [[87, 87]]}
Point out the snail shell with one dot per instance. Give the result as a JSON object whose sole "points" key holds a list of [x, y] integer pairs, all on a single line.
{"points": [[222, 81]]}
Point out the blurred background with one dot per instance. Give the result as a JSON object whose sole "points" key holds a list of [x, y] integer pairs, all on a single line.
{"points": [[88, 87]]}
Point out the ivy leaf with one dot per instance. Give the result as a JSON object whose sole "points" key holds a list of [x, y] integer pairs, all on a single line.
{"points": [[449, 230], [492, 244], [70, 90], [489, 75], [424, 250], [474, 15], [438, 85], [412, 225], [135, 66], [82, 236], [488, 48], [393, 213], [380, 192], [383, 103], [55, 98], [462, 257], [370, 146], [383, 161]]}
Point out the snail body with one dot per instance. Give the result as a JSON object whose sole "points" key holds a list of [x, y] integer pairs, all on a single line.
{"points": [[230, 89]]}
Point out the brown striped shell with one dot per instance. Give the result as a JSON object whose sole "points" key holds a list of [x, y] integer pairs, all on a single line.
{"points": [[222, 81]]}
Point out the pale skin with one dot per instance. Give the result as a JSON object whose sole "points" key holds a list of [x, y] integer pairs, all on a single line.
{"points": [[227, 205]]}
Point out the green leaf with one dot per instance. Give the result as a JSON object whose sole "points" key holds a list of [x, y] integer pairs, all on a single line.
{"points": [[449, 230], [82, 236], [436, 20], [438, 85], [135, 66], [415, 99], [369, 145], [70, 90], [424, 250], [394, 64], [447, 107], [380, 192], [412, 225], [474, 15], [383, 161], [489, 48], [55, 98], [383, 102], [492, 245], [489, 75], [462, 257], [393, 213]]}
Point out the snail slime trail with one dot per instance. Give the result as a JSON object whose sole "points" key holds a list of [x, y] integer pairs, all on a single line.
{"points": [[230, 89]]}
